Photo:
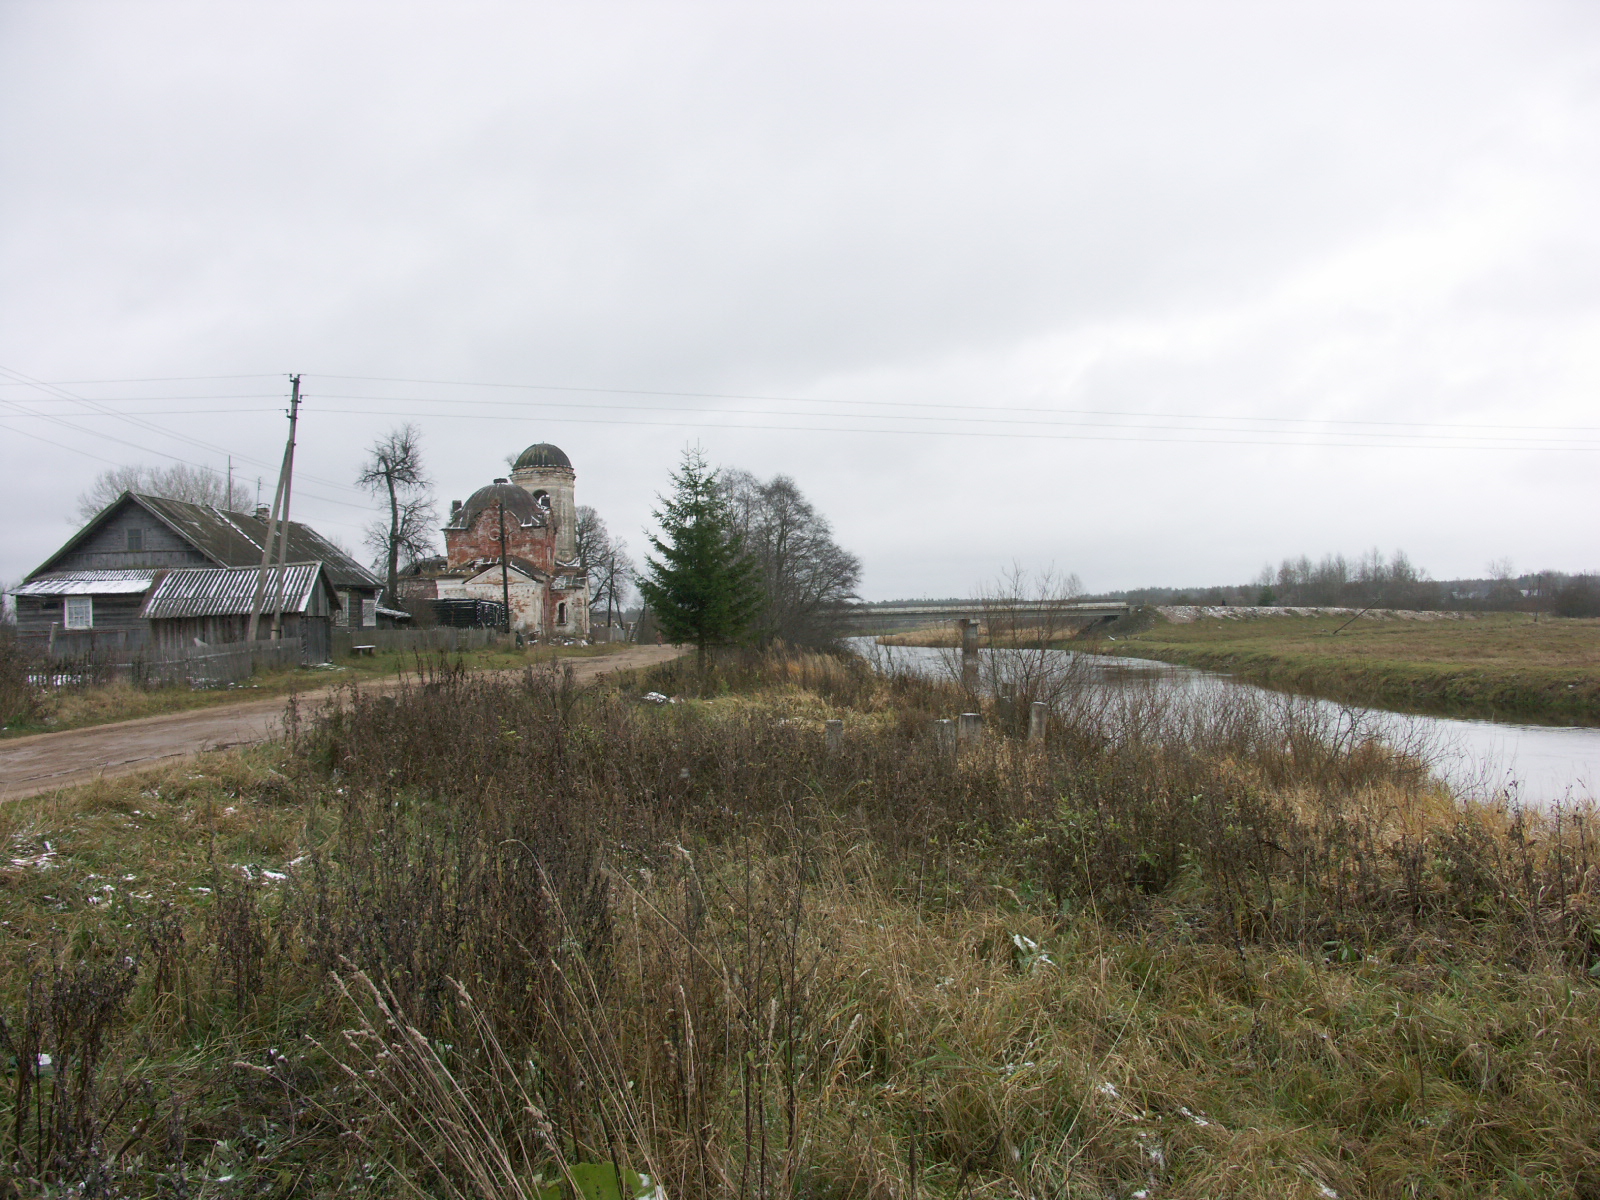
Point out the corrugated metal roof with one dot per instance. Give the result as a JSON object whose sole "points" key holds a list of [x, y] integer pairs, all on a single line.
{"points": [[228, 591], [89, 583], [233, 539]]}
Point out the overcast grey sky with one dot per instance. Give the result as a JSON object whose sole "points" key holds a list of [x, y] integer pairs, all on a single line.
{"points": [[1152, 292]]}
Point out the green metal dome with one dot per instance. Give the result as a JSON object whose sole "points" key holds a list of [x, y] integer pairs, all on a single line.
{"points": [[543, 454]]}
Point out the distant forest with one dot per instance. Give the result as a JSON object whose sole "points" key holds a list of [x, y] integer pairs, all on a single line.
{"points": [[1394, 582], [1371, 580]]}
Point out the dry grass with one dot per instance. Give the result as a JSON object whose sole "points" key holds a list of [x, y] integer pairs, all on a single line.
{"points": [[1497, 665], [1243, 958], [75, 707]]}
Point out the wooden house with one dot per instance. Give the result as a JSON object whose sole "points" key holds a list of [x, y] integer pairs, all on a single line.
{"points": [[91, 593]]}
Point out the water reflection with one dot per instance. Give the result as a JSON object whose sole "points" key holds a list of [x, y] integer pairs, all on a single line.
{"points": [[1481, 759]]}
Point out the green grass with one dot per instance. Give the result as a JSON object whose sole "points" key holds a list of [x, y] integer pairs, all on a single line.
{"points": [[1506, 666]]}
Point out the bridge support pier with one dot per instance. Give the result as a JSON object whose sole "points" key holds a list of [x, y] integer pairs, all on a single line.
{"points": [[969, 652]]}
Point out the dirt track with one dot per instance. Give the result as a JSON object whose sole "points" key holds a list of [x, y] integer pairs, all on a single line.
{"points": [[44, 762]]}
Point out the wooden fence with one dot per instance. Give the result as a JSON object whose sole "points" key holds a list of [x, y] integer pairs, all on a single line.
{"points": [[197, 666]]}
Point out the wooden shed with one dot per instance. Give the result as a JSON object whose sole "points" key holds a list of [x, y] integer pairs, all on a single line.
{"points": [[210, 606]]}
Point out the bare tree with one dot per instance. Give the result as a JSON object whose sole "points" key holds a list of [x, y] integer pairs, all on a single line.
{"points": [[806, 576], [604, 560], [1025, 619], [180, 481], [394, 473]]}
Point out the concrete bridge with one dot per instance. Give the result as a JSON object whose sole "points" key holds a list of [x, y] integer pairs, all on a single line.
{"points": [[973, 616], [885, 618]]}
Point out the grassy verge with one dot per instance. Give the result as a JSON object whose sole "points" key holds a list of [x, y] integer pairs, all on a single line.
{"points": [[75, 708], [1500, 665], [487, 936]]}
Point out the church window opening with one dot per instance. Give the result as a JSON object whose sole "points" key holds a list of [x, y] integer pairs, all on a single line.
{"points": [[79, 612], [561, 613], [542, 499]]}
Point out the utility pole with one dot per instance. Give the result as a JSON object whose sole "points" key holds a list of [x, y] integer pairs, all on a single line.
{"points": [[505, 578], [283, 529], [229, 500], [280, 507]]}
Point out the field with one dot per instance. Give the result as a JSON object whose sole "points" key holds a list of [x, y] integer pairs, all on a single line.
{"points": [[499, 937], [99, 704], [1496, 665]]}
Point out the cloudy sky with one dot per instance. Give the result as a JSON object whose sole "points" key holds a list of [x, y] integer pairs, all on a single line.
{"points": [[1151, 292]]}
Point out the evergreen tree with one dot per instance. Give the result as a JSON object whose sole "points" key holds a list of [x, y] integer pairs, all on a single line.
{"points": [[703, 587]]}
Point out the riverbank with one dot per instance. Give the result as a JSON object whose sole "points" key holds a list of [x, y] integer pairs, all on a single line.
{"points": [[1497, 666], [483, 936]]}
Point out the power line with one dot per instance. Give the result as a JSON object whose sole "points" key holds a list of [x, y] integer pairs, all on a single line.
{"points": [[550, 387], [1500, 441], [142, 449], [148, 379], [974, 433], [100, 406]]}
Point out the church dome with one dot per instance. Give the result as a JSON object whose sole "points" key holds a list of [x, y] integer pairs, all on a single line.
{"points": [[543, 454], [518, 503]]}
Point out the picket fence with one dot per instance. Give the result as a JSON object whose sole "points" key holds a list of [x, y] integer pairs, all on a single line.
{"points": [[197, 666]]}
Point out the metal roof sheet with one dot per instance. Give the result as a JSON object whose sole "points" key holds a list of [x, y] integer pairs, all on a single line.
{"points": [[229, 591], [89, 583], [234, 539]]}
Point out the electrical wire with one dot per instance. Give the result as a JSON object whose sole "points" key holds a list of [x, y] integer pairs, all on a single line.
{"points": [[1500, 441], [549, 387], [976, 433], [149, 427]]}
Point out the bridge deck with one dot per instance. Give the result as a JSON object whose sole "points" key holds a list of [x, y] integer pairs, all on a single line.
{"points": [[981, 610]]}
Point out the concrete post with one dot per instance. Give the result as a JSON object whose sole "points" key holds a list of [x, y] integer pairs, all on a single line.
{"points": [[1038, 711], [944, 735], [969, 652], [835, 731], [971, 728]]}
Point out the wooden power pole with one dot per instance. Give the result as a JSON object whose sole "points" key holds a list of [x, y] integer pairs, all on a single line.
{"points": [[505, 578], [280, 515]]}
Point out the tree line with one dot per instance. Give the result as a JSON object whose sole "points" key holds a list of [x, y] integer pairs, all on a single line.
{"points": [[1376, 580]]}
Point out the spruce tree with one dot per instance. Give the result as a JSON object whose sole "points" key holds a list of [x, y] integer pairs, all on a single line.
{"points": [[702, 587]]}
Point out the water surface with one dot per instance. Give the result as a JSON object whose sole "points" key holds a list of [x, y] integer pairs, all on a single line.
{"points": [[1536, 763]]}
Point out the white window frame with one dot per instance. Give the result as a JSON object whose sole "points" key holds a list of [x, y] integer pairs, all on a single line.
{"points": [[77, 612], [369, 612]]}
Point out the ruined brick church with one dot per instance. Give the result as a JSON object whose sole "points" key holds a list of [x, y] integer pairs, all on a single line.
{"points": [[538, 512]]}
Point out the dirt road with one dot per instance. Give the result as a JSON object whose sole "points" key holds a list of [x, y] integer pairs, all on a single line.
{"points": [[46, 761]]}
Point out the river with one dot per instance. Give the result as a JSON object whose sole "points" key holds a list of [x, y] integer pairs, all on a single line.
{"points": [[1537, 764]]}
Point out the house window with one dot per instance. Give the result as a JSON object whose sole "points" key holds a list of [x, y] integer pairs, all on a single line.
{"points": [[369, 611], [135, 539], [79, 612]]}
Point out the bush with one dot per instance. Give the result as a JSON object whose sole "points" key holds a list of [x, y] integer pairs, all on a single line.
{"points": [[1578, 597], [21, 701]]}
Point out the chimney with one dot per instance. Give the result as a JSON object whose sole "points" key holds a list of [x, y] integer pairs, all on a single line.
{"points": [[455, 507], [262, 512]]}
